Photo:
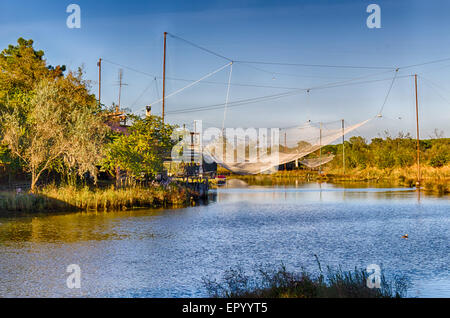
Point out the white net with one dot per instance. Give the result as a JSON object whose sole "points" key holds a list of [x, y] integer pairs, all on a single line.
{"points": [[316, 162], [254, 151]]}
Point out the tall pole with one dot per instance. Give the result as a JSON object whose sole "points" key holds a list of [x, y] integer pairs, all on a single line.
{"points": [[99, 64], [417, 126], [343, 146], [285, 149], [120, 84], [320, 150], [164, 77]]}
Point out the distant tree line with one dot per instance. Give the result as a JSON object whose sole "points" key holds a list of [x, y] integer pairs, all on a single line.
{"points": [[390, 152]]}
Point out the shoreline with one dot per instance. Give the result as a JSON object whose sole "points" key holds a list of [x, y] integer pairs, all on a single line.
{"points": [[84, 199], [433, 180], [52, 199]]}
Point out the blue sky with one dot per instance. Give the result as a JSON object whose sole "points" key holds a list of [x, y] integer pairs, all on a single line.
{"points": [[310, 32]]}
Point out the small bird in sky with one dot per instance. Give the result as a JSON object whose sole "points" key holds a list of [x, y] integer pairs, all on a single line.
{"points": [[405, 236]]}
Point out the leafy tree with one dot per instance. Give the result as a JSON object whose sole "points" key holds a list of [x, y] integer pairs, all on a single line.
{"points": [[357, 152], [59, 125], [22, 68], [142, 150], [49, 121], [439, 153]]}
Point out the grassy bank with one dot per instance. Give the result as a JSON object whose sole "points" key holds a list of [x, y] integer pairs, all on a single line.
{"points": [[434, 180], [281, 283], [53, 198]]}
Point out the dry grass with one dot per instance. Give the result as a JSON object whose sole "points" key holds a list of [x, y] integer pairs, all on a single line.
{"points": [[434, 180], [53, 198]]}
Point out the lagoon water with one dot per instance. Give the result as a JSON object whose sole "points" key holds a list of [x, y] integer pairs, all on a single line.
{"points": [[166, 253]]}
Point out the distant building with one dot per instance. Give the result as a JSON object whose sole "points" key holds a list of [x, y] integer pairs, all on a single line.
{"points": [[117, 121]]}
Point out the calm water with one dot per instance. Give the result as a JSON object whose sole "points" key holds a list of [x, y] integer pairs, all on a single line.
{"points": [[166, 253]]}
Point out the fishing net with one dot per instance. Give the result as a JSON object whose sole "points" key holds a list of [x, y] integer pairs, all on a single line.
{"points": [[253, 151], [316, 162]]}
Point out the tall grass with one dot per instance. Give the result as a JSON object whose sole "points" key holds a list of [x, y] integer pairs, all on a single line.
{"points": [[57, 198], [439, 187], [28, 202], [281, 283], [434, 180]]}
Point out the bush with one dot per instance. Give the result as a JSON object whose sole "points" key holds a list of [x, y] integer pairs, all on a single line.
{"points": [[439, 160]]}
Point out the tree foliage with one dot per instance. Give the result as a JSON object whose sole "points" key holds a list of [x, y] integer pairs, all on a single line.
{"points": [[142, 150], [390, 152], [48, 120], [22, 68], [56, 128]]}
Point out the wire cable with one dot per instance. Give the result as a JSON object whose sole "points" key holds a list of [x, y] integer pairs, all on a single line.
{"points": [[226, 99], [271, 97], [388, 92], [192, 84], [315, 65], [434, 86], [200, 47]]}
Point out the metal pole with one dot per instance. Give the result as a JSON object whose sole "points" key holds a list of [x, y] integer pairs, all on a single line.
{"points": [[164, 77], [100, 81], [343, 146], [120, 85], [417, 126]]}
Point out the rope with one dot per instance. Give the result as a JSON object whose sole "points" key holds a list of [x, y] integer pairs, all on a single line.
{"points": [[168, 78], [200, 47], [192, 84], [290, 74], [426, 63], [157, 88], [389, 91], [434, 86], [316, 65], [226, 99], [142, 94], [271, 97]]}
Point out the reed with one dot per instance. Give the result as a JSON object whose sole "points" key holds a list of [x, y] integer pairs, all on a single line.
{"points": [[63, 198], [438, 187], [434, 180], [281, 283]]}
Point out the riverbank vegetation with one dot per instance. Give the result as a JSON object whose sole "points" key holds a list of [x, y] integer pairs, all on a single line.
{"points": [[72, 198], [383, 159], [56, 139], [53, 130], [281, 283]]}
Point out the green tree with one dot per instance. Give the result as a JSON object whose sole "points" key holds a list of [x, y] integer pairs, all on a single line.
{"points": [[142, 150], [439, 152], [356, 152], [58, 126], [22, 68]]}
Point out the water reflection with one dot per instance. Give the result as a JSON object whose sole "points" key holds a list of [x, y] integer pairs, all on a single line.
{"points": [[74, 227], [165, 253], [294, 190]]}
